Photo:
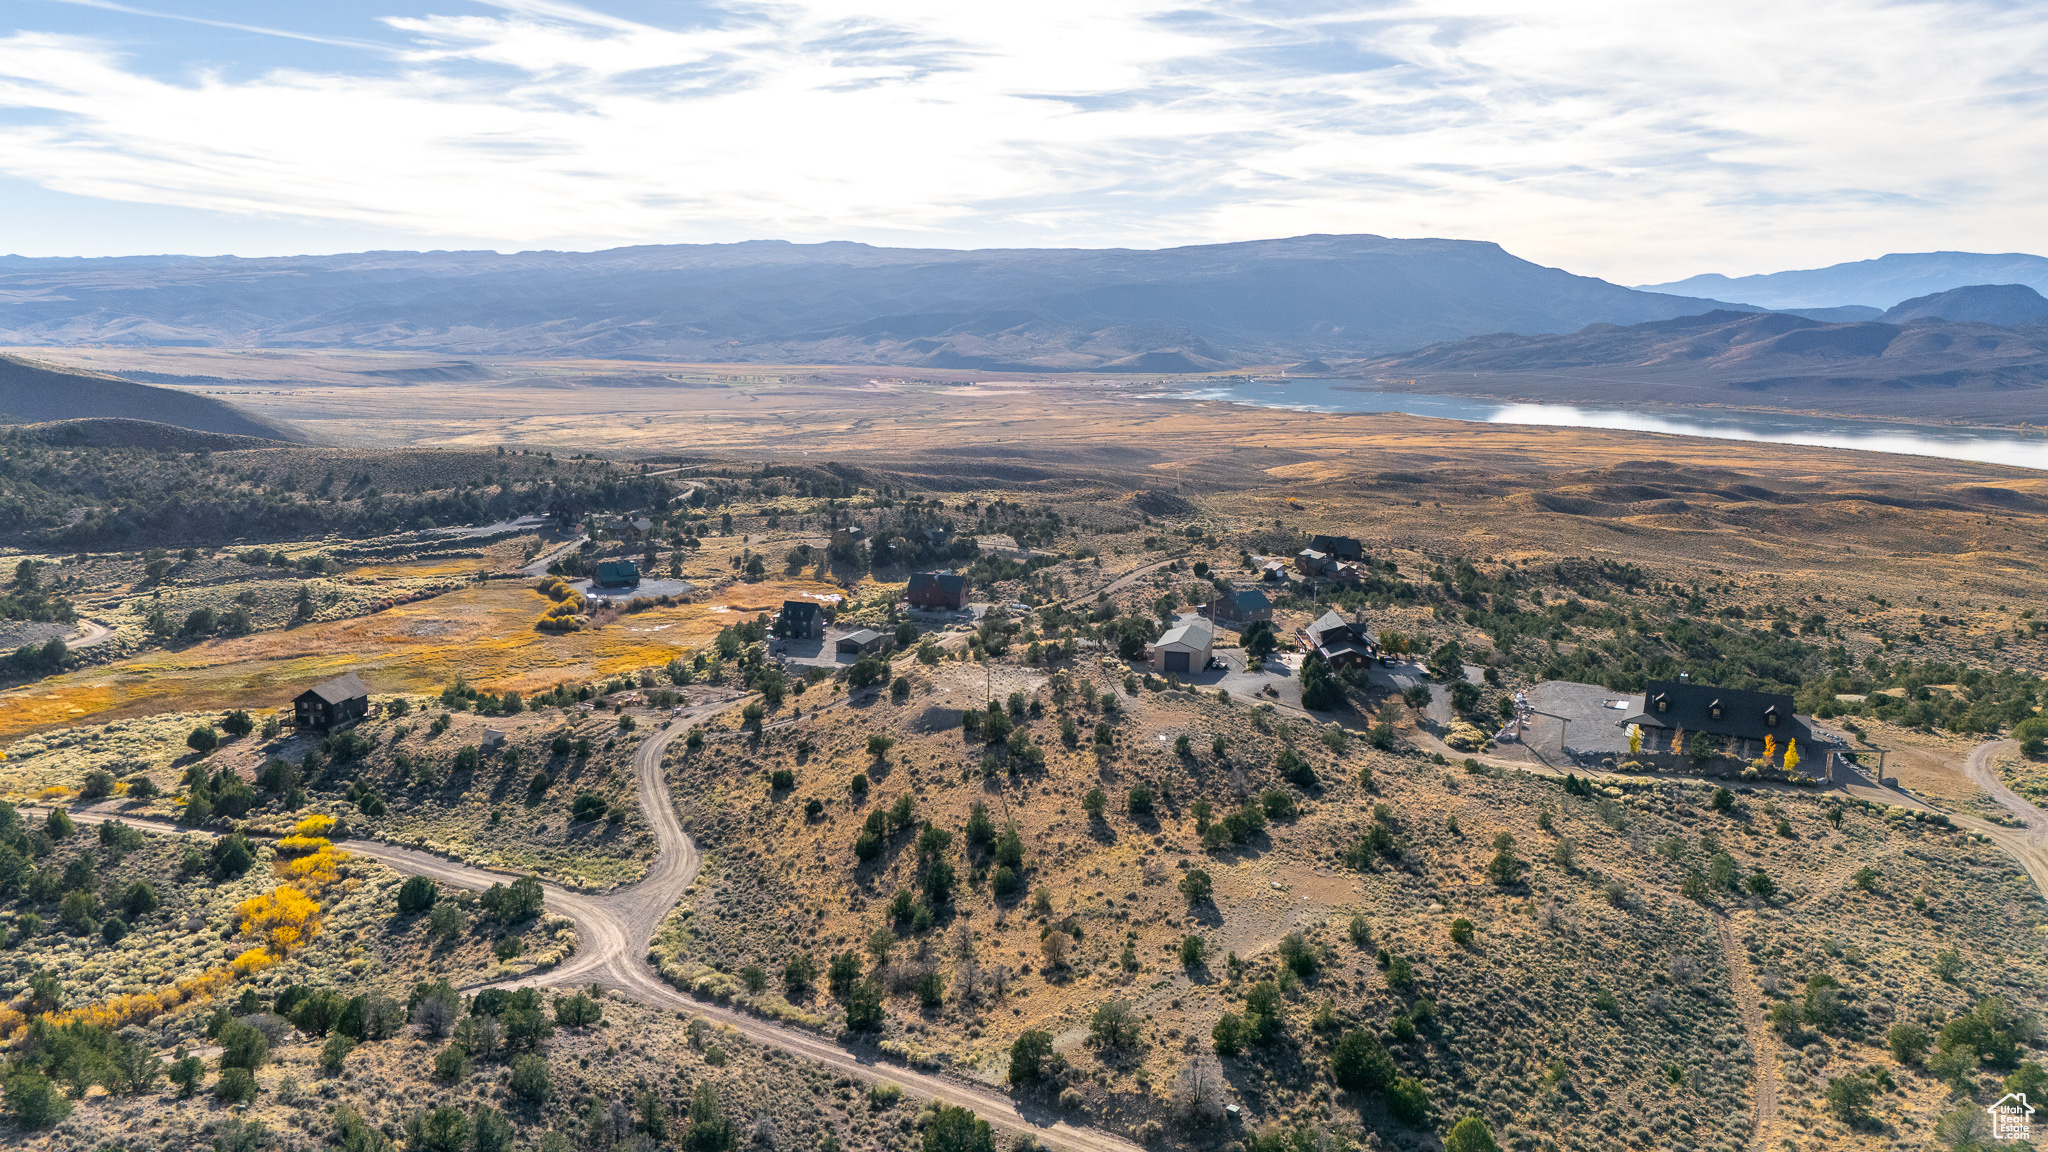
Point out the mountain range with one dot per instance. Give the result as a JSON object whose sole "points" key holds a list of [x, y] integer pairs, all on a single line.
{"points": [[1928, 369], [1874, 284], [1188, 309]]}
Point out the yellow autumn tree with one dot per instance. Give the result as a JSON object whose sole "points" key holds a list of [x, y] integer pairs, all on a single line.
{"points": [[316, 870], [1770, 747], [1791, 755], [280, 919], [1635, 739]]}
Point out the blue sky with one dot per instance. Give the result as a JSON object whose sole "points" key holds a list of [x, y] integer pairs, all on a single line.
{"points": [[1640, 142]]}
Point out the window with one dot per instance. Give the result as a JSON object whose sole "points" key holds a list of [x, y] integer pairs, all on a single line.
{"points": [[1771, 716], [1663, 704], [1715, 710]]}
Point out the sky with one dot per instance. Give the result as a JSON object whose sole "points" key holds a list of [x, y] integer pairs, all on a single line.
{"points": [[1641, 142]]}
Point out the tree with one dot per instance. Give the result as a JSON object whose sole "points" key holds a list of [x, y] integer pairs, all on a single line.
{"points": [[530, 1079], [1908, 1042], [1504, 869], [237, 723], [1470, 1135], [1461, 931], [577, 1011], [242, 1046], [1094, 802], [864, 1006], [1228, 1034], [958, 1130], [1192, 950], [34, 1102], [1114, 1024], [709, 1130], [1761, 885], [442, 1130], [1849, 1097], [1408, 1100], [1196, 886], [203, 739], [1723, 800], [416, 895], [1028, 1055], [1360, 1063], [334, 1051]]}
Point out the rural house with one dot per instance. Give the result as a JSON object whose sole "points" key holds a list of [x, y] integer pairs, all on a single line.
{"points": [[1240, 608], [1310, 562], [325, 705], [1672, 707], [801, 620], [1184, 650], [937, 591], [616, 572], [1338, 547], [1340, 641]]}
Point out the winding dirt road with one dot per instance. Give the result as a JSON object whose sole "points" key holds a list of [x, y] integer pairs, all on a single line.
{"points": [[616, 928]]}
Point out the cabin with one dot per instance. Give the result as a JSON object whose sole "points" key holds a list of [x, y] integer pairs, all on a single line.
{"points": [[1240, 608], [1338, 547], [633, 528], [1341, 642], [335, 702], [861, 643], [937, 592], [1673, 710], [1184, 650], [800, 620], [612, 573], [1273, 571], [494, 739], [1310, 562]]}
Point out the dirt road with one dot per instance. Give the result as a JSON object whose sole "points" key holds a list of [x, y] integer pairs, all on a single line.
{"points": [[615, 930]]}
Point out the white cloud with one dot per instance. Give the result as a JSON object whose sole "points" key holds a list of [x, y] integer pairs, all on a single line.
{"points": [[1638, 141]]}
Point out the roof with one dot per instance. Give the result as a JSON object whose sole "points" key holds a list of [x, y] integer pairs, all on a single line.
{"points": [[1193, 634], [340, 688], [607, 569], [799, 609], [946, 581], [864, 636], [1312, 554], [1249, 600], [1329, 622], [1743, 714], [1344, 546]]}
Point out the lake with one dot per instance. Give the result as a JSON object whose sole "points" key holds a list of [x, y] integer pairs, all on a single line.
{"points": [[1984, 445]]}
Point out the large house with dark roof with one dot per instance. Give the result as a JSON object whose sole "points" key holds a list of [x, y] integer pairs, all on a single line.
{"points": [[1241, 607], [1673, 710], [937, 591], [801, 620], [1339, 641], [1338, 547], [325, 705]]}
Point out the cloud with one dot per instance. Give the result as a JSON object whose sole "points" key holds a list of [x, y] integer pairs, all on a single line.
{"points": [[1640, 141]]}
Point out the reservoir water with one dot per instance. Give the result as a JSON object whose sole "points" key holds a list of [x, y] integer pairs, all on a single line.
{"points": [[1985, 445]]}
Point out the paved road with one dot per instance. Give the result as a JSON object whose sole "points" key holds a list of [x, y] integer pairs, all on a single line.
{"points": [[615, 930]]}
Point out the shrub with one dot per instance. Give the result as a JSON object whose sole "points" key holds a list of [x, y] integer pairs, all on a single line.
{"points": [[1028, 1056], [1908, 1043], [1192, 950], [588, 806], [1114, 1024], [34, 1102], [1139, 801], [864, 1006], [782, 780], [1196, 886], [452, 1063], [530, 1079], [416, 895], [1461, 931], [236, 1086], [1470, 1135], [1408, 1100], [1094, 802], [1006, 881], [1228, 1035], [1278, 803], [958, 1130], [334, 1052], [1360, 1063]]}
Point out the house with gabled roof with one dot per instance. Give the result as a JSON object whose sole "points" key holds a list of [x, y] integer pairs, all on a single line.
{"points": [[1341, 642], [333, 702]]}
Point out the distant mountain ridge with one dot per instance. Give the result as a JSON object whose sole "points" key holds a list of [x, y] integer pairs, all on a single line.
{"points": [[1878, 283], [1928, 369], [2004, 304], [1190, 309], [44, 394]]}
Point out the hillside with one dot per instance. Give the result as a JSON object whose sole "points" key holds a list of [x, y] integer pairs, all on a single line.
{"points": [[1876, 283], [2007, 304], [1927, 369], [1174, 310], [32, 392]]}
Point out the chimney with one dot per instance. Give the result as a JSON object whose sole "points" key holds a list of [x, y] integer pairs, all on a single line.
{"points": [[1685, 677]]}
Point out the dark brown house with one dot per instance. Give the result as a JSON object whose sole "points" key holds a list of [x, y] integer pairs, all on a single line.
{"points": [[339, 700], [1340, 641], [801, 620], [1241, 607], [1338, 547], [937, 591], [1674, 706]]}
